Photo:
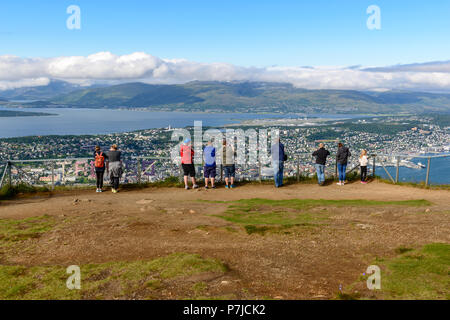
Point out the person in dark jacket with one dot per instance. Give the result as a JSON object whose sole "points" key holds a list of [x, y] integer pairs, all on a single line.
{"points": [[321, 155], [115, 167], [100, 165], [278, 158], [342, 156]]}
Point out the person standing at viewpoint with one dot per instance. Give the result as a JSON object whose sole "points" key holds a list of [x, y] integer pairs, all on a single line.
{"points": [[187, 163], [115, 167], [321, 155], [228, 155], [342, 156], [100, 166], [363, 161], [209, 155], [278, 158]]}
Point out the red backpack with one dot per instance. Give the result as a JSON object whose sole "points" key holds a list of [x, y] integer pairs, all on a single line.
{"points": [[99, 160]]}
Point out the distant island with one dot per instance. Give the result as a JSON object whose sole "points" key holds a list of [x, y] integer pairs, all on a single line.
{"points": [[9, 113]]}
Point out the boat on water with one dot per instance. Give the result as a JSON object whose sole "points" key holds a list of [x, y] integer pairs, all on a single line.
{"points": [[420, 164]]}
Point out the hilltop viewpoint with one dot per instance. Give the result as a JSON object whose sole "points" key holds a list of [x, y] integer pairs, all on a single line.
{"points": [[300, 241]]}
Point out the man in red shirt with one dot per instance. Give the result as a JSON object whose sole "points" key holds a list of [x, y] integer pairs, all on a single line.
{"points": [[187, 162]]}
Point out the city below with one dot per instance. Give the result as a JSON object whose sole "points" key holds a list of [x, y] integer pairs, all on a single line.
{"points": [[147, 155]]}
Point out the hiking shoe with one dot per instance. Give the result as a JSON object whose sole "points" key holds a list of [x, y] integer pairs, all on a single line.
{"points": [[195, 186], [186, 187], [339, 184], [213, 187], [232, 186], [227, 187], [206, 187]]}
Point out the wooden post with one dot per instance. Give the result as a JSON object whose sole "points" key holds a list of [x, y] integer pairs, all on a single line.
{"points": [[9, 174], [336, 170], [139, 169], [260, 172], [181, 174], [53, 175], [373, 166], [397, 169], [427, 180]]}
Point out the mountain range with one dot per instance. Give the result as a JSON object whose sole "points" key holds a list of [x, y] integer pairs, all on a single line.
{"points": [[230, 97]]}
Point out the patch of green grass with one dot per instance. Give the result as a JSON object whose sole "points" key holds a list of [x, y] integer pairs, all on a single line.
{"points": [[263, 215], [309, 203], [255, 229], [153, 284], [347, 296], [10, 192], [199, 288], [401, 250], [110, 280], [16, 230], [419, 274]]}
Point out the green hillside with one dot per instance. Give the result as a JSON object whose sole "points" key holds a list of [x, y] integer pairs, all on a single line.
{"points": [[252, 97]]}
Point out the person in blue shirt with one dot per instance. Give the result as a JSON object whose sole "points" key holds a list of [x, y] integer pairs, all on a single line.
{"points": [[209, 156], [278, 158]]}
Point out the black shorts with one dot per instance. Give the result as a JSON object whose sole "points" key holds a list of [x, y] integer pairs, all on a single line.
{"points": [[210, 172], [189, 170]]}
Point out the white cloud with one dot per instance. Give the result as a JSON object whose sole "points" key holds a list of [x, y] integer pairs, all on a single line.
{"points": [[139, 66], [435, 66], [6, 85]]}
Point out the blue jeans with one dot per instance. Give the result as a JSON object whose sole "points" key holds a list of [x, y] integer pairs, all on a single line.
{"points": [[341, 169], [320, 169], [278, 172]]}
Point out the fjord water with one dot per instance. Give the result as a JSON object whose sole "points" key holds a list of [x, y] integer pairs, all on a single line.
{"points": [[439, 171], [70, 121]]}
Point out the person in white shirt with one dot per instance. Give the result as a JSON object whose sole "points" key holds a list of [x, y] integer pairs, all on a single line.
{"points": [[363, 160]]}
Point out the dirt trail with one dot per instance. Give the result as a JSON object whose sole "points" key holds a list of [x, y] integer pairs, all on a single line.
{"points": [[152, 222]]}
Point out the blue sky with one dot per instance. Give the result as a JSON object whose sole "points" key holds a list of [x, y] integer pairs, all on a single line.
{"points": [[244, 33]]}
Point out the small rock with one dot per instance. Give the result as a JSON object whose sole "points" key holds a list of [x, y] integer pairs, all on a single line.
{"points": [[427, 210], [278, 297], [144, 201], [225, 282], [191, 211]]}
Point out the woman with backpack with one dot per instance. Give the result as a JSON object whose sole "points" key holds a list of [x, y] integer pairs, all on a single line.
{"points": [[99, 163]]}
